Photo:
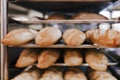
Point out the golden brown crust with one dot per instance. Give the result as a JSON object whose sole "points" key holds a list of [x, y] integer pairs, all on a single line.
{"points": [[56, 16], [52, 74], [33, 75], [88, 16], [73, 58], [74, 74], [47, 58], [106, 38], [48, 36], [96, 60], [26, 58], [19, 37], [100, 75], [74, 37]]}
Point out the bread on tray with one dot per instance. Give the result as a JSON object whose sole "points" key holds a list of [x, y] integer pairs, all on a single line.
{"points": [[19, 37], [74, 37], [73, 57], [106, 38], [27, 57], [74, 74], [47, 58], [48, 36], [96, 60]]}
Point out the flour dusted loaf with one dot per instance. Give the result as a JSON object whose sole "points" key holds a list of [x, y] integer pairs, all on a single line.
{"points": [[100, 75], [52, 74], [106, 38], [19, 37], [74, 37], [73, 58], [47, 58], [48, 36], [96, 60], [74, 74], [27, 57], [28, 75]]}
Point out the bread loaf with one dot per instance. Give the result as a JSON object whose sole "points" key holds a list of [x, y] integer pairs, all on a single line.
{"points": [[56, 16], [96, 60], [28, 75], [100, 75], [74, 37], [19, 37], [106, 38], [88, 16], [74, 74], [48, 36], [73, 58], [47, 58], [52, 74], [26, 58]]}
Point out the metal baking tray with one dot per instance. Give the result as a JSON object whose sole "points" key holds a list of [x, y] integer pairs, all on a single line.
{"points": [[59, 46], [61, 0]]}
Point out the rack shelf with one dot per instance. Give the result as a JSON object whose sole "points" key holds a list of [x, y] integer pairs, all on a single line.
{"points": [[60, 0], [59, 46], [30, 21], [84, 64]]}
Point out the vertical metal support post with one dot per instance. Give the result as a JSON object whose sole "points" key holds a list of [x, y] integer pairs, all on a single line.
{"points": [[4, 70]]}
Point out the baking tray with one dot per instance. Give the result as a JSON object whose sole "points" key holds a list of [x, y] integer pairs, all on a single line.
{"points": [[60, 0]]}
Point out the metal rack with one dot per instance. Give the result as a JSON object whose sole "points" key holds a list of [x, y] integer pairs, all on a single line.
{"points": [[4, 65], [59, 46], [60, 0]]}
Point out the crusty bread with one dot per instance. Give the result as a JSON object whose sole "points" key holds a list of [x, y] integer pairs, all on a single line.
{"points": [[73, 58], [56, 16], [100, 75], [96, 60], [88, 16], [47, 58], [26, 58], [106, 38], [74, 37], [32, 75], [52, 74], [74, 74], [48, 36], [19, 36]]}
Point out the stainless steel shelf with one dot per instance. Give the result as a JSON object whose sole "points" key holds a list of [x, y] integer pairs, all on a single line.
{"points": [[37, 21], [61, 0], [59, 46], [84, 64]]}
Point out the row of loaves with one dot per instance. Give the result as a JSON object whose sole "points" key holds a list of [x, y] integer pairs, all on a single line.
{"points": [[70, 74], [78, 16], [72, 57], [73, 37]]}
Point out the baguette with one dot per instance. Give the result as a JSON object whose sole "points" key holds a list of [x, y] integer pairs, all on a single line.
{"points": [[96, 60], [26, 58], [73, 58], [100, 75], [74, 74], [47, 58], [52, 74], [106, 38], [74, 37], [19, 37], [48, 36]]}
